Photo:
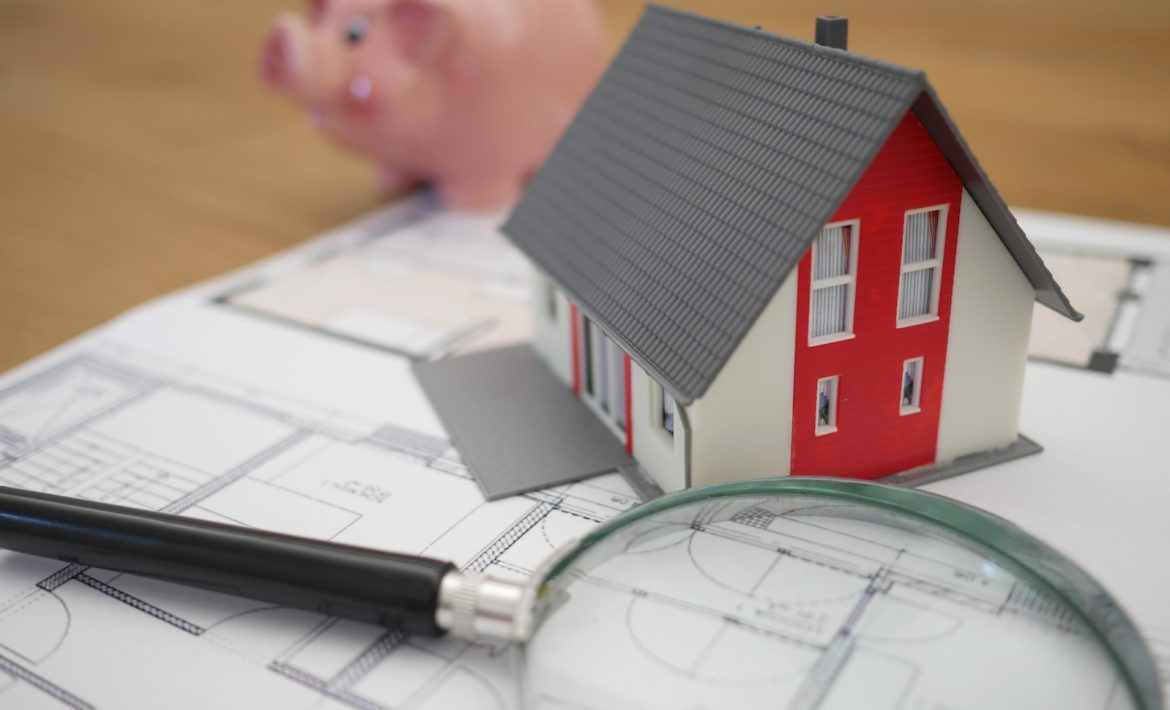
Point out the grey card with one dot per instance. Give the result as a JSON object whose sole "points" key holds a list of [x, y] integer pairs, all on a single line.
{"points": [[517, 427]]}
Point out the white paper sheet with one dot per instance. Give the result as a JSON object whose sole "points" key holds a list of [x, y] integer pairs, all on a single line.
{"points": [[192, 405], [275, 429], [1118, 276]]}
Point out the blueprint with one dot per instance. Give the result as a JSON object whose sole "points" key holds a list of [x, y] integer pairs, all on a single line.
{"points": [[109, 426], [423, 284], [770, 602], [190, 407], [1118, 276], [281, 397]]}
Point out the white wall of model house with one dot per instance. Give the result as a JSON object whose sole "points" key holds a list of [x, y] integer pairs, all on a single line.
{"points": [[742, 426], [552, 331], [987, 349], [661, 453]]}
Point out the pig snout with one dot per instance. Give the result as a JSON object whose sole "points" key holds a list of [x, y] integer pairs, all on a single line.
{"points": [[300, 62]]}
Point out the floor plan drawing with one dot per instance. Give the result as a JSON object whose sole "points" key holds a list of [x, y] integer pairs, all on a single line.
{"points": [[1115, 295], [811, 606], [122, 428], [426, 284], [1118, 276], [281, 397]]}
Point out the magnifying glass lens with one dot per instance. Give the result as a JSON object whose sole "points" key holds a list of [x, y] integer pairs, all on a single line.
{"points": [[814, 601]]}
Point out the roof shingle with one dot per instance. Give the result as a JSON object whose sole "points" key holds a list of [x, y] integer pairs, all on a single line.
{"points": [[696, 175]]}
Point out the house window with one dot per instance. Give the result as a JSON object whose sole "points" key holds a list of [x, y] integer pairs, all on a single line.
{"points": [[922, 239], [911, 385], [834, 270], [550, 300], [603, 372], [826, 405], [666, 411], [587, 354], [618, 363], [662, 408]]}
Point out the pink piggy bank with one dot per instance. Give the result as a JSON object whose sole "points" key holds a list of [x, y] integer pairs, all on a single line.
{"points": [[469, 95]]}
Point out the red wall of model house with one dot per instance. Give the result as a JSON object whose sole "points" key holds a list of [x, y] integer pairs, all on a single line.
{"points": [[872, 437]]}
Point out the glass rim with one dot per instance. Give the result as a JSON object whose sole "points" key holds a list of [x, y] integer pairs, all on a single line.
{"points": [[1010, 546]]}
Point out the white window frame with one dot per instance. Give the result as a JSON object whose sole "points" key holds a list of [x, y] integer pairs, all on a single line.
{"points": [[835, 395], [849, 279], [588, 386], [617, 380], [599, 350], [915, 405], [603, 372], [659, 400], [935, 263]]}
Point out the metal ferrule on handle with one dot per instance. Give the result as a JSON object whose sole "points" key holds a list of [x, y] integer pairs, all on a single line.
{"points": [[477, 606]]}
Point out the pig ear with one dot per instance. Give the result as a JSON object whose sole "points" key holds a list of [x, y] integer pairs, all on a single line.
{"points": [[317, 10], [423, 28]]}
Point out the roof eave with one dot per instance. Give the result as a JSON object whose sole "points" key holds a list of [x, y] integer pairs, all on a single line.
{"points": [[946, 135]]}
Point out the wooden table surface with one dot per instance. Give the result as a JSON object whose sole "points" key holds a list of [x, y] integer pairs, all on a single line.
{"points": [[140, 154]]}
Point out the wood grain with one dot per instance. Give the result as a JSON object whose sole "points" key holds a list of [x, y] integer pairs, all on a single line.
{"points": [[140, 154]]}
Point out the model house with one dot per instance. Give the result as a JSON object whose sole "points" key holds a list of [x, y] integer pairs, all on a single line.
{"points": [[761, 256]]}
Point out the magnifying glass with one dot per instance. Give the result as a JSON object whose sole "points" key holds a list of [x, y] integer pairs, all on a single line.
{"points": [[799, 592]]}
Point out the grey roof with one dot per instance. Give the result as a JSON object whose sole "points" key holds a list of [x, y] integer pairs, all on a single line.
{"points": [[698, 173]]}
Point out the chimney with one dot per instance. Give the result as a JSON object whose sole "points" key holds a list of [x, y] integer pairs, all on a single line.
{"points": [[833, 31]]}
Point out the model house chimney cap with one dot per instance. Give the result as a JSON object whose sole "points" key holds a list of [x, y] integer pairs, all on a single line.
{"points": [[833, 31]]}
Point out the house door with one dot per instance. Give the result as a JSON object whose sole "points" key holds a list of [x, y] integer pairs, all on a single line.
{"points": [[604, 377]]}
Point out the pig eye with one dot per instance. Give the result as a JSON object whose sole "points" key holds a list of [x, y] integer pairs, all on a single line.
{"points": [[356, 30]]}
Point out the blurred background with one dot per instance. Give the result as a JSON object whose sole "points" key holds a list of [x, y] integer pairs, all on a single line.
{"points": [[140, 154]]}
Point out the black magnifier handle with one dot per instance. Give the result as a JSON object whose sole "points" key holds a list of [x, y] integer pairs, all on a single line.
{"points": [[399, 591]]}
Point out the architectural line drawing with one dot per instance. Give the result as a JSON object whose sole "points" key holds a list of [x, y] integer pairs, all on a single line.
{"points": [[1120, 274], [1128, 325], [119, 417], [197, 496], [338, 686], [422, 284], [814, 612], [28, 397], [277, 464], [137, 603], [59, 694]]}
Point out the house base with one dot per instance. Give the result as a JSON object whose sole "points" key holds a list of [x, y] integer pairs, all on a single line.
{"points": [[1021, 447], [645, 486], [637, 478], [517, 427]]}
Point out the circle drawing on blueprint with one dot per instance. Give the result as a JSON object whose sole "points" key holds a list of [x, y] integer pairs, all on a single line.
{"points": [[793, 576], [716, 649], [560, 526], [764, 611], [37, 609], [658, 537], [761, 601]]}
